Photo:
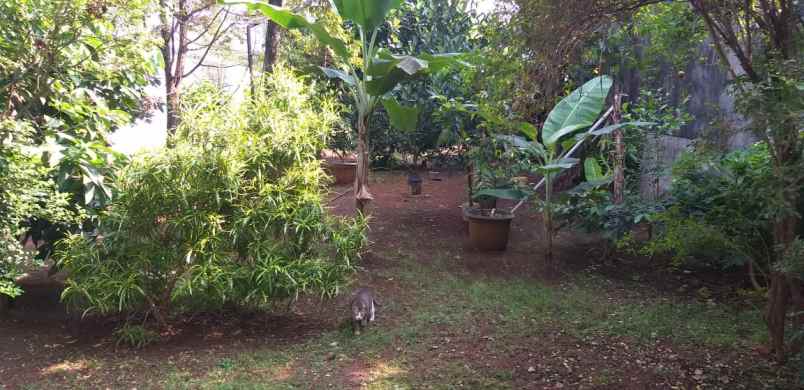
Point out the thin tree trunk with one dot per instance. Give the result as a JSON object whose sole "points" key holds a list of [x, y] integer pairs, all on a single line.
{"points": [[250, 59], [548, 218], [362, 194], [618, 195], [172, 107], [469, 183], [272, 36], [782, 288], [776, 313], [173, 55]]}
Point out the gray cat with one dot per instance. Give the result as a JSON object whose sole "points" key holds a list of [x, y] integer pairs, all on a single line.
{"points": [[363, 308]]}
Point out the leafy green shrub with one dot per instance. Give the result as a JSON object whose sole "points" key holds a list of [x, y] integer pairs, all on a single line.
{"points": [[27, 195], [233, 214], [721, 213], [592, 209]]}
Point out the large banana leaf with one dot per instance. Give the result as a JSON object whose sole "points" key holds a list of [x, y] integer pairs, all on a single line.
{"points": [[290, 20], [558, 166], [592, 170], [611, 128], [338, 74], [528, 130], [401, 117], [436, 62], [577, 111], [388, 70], [368, 14]]}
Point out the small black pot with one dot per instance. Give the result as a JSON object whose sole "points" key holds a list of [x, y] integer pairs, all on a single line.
{"points": [[486, 202], [415, 183]]}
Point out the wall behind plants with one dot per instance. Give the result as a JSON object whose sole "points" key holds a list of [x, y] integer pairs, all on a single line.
{"points": [[665, 48], [231, 215], [703, 91]]}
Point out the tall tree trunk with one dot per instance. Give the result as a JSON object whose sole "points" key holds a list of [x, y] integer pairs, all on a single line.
{"points": [[785, 291], [272, 36], [173, 55], [779, 295], [362, 194], [172, 107]]}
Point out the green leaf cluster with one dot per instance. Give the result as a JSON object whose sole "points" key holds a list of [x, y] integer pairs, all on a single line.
{"points": [[76, 70]]}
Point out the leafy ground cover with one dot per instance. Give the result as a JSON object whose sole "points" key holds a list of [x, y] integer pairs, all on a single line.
{"points": [[450, 318]]}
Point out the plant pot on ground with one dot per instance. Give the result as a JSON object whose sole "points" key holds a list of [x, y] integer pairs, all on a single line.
{"points": [[489, 230], [343, 172], [415, 183]]}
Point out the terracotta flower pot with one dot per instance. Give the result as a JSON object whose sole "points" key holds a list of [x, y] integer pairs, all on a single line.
{"points": [[489, 231], [344, 172]]}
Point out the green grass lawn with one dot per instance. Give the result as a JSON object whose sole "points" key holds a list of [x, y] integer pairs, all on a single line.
{"points": [[401, 351]]}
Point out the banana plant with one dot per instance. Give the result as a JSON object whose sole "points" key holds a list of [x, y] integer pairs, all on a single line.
{"points": [[551, 150], [370, 82], [574, 113]]}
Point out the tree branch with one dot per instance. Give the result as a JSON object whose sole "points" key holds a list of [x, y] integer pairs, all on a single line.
{"points": [[215, 37]]}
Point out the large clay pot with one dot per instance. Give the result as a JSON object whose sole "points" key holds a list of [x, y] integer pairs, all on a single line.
{"points": [[489, 231], [343, 172]]}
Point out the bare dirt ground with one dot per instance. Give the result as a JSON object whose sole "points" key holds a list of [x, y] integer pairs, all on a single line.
{"points": [[452, 317]]}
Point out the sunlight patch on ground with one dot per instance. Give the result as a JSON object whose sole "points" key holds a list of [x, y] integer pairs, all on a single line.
{"points": [[65, 367], [277, 374], [381, 371]]}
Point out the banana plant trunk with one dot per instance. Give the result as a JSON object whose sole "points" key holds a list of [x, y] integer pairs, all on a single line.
{"points": [[548, 217], [362, 194]]}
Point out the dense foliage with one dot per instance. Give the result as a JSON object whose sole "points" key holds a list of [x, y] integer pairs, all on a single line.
{"points": [[71, 72], [76, 70], [717, 216], [232, 214], [27, 196], [431, 27]]}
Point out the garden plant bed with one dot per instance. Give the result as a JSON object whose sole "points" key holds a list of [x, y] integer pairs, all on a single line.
{"points": [[452, 317]]}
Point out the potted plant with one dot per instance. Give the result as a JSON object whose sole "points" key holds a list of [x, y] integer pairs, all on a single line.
{"points": [[549, 152], [342, 171], [342, 166], [496, 166]]}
